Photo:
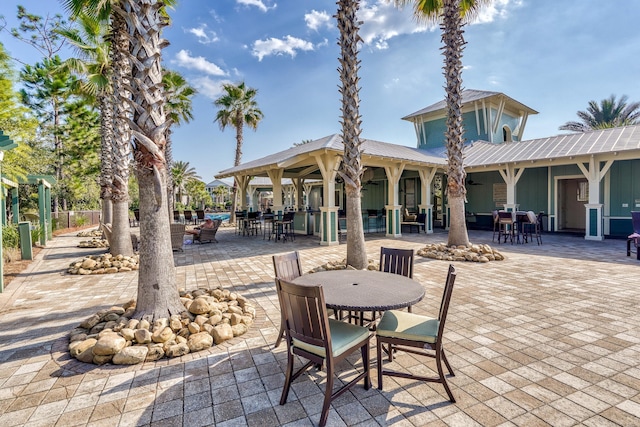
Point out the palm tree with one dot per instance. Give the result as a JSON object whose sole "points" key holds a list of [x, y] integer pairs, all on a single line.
{"points": [[237, 108], [178, 109], [451, 14], [89, 38], [609, 114], [182, 173], [351, 168], [137, 25]]}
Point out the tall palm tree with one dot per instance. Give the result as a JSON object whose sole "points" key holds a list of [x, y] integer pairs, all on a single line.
{"points": [[136, 62], [182, 173], [90, 39], [237, 108], [351, 168], [452, 15], [609, 114], [178, 109]]}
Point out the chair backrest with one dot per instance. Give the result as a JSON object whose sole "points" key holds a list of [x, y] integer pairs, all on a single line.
{"points": [[287, 266], [372, 212], [495, 216], [200, 214], [635, 221], [176, 216], [397, 261], [446, 299], [188, 216], [136, 213], [288, 216], [253, 215], [304, 315], [505, 217]]}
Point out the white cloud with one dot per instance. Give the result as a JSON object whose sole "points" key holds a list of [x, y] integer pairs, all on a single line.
{"points": [[497, 9], [184, 59], [203, 35], [209, 87], [383, 21], [260, 4], [316, 20], [273, 46]]}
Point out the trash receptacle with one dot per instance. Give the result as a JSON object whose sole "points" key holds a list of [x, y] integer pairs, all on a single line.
{"points": [[24, 230]]}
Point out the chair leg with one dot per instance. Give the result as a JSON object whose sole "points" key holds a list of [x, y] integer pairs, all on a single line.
{"points": [[280, 336], [446, 362], [379, 361], [287, 380], [439, 354], [366, 362], [327, 397]]}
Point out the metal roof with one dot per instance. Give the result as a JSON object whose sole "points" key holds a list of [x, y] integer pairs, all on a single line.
{"points": [[302, 156], [616, 140], [470, 95]]}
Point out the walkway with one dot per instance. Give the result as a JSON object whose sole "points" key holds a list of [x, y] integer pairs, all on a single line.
{"points": [[551, 336]]}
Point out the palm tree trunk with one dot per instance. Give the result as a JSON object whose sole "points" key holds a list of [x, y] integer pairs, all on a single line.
{"points": [[106, 130], [120, 243], [157, 292], [352, 165], [239, 137], [452, 36]]}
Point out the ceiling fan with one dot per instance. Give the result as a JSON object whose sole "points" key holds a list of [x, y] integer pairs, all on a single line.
{"points": [[472, 182]]}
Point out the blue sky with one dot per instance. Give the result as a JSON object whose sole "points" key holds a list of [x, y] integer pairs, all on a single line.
{"points": [[553, 56]]}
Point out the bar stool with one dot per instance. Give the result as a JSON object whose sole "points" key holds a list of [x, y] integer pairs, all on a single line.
{"points": [[506, 226]]}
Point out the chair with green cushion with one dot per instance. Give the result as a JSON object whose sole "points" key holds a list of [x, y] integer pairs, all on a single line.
{"points": [[416, 334], [311, 335]]}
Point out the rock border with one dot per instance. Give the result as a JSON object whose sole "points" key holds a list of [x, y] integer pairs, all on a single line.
{"points": [[112, 336], [472, 253]]}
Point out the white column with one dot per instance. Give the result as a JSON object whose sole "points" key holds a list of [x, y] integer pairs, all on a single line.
{"points": [[426, 177], [328, 164], [394, 216], [593, 210], [275, 175]]}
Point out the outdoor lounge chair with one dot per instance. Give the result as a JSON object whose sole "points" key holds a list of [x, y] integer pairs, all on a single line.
{"points": [[208, 235], [177, 236], [188, 217], [311, 335], [413, 333]]}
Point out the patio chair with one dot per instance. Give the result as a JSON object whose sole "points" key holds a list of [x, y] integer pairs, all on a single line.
{"points": [[176, 216], [177, 236], [311, 335], [188, 217], [496, 220], [506, 226], [531, 228], [634, 238], [287, 267], [416, 334], [199, 216], [208, 235]]}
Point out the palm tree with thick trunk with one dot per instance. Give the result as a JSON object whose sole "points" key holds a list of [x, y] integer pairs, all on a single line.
{"points": [[351, 168], [450, 14], [157, 292], [237, 107], [117, 172], [610, 113]]}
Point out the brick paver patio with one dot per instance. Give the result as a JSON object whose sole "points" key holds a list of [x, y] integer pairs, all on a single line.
{"points": [[550, 336]]}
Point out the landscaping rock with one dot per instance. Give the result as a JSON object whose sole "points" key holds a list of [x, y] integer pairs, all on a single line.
{"points": [[112, 336]]}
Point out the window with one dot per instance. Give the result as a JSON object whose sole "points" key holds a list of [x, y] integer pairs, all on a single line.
{"points": [[506, 134]]}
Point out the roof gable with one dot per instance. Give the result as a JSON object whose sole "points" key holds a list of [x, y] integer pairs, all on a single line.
{"points": [[469, 96]]}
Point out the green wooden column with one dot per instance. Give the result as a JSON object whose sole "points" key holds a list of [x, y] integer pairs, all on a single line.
{"points": [[43, 218], [15, 205]]}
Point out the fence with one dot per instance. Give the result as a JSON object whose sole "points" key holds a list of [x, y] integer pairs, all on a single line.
{"points": [[70, 219]]}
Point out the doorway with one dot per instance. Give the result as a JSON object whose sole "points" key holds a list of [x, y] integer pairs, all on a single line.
{"points": [[573, 194]]}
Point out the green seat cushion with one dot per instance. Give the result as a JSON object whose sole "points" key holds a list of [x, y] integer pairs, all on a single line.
{"points": [[409, 326], [343, 336]]}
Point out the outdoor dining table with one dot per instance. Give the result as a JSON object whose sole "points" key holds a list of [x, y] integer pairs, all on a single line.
{"points": [[364, 290]]}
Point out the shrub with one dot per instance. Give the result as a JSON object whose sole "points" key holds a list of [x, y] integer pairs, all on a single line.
{"points": [[10, 236], [81, 220]]}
